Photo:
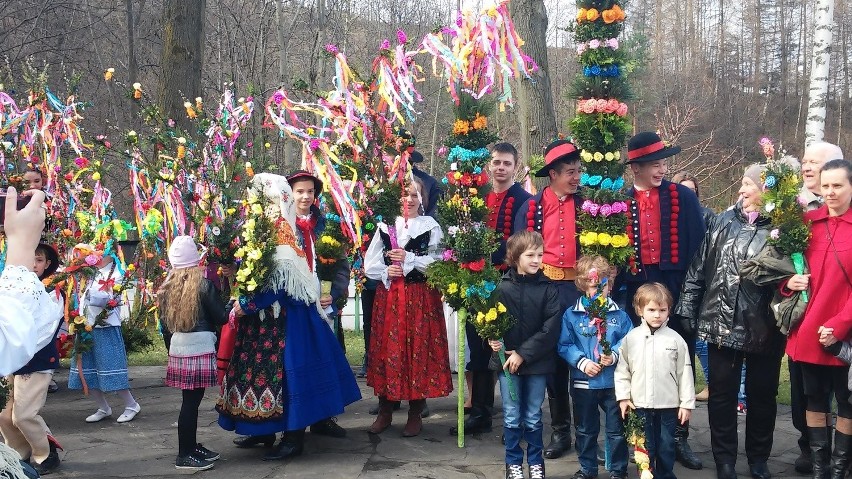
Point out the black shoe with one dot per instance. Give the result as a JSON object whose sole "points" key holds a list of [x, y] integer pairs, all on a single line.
{"points": [[268, 440], [726, 471], [478, 422], [328, 427], [53, 387], [536, 471], [804, 464], [514, 471], [48, 465], [560, 443], [425, 412], [759, 470], [685, 456], [582, 475], [284, 450], [202, 452], [375, 409], [192, 463]]}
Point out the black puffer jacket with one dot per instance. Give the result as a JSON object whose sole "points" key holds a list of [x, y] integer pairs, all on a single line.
{"points": [[534, 302], [727, 311], [211, 311]]}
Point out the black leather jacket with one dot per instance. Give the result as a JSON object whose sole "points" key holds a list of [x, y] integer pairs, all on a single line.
{"points": [[211, 311], [533, 300], [727, 311]]}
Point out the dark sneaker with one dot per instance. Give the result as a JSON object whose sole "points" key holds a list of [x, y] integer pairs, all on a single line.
{"points": [[202, 452], [192, 463], [536, 471], [514, 471], [328, 427]]}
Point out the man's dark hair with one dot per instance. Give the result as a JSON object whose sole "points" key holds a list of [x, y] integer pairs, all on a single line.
{"points": [[506, 148]]}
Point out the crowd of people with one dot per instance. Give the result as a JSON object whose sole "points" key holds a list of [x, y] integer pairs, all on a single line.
{"points": [[278, 359]]}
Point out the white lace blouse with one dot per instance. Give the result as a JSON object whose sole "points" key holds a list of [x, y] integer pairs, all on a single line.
{"points": [[28, 317], [374, 262]]}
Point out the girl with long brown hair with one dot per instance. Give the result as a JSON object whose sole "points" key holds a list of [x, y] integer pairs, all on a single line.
{"points": [[190, 307]]}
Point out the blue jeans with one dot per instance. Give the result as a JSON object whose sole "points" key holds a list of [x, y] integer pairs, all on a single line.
{"points": [[522, 417], [660, 427], [587, 406], [701, 352]]}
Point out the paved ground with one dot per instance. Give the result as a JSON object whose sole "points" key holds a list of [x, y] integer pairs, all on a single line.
{"points": [[147, 446]]}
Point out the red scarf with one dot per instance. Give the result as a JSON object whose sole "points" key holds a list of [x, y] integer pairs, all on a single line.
{"points": [[307, 228]]}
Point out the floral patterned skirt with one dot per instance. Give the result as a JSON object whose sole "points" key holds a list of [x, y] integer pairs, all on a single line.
{"points": [[408, 344]]}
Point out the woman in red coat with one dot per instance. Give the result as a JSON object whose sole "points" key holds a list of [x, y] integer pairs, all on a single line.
{"points": [[827, 320]]}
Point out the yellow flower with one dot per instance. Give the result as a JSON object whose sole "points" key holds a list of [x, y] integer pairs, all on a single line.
{"points": [[452, 288], [501, 307], [598, 156], [581, 15], [604, 239], [586, 156], [231, 211], [492, 315], [609, 156], [131, 267], [256, 209], [480, 317], [592, 14], [116, 287], [620, 241], [472, 191], [71, 328], [463, 293], [457, 175], [588, 238], [89, 328]]}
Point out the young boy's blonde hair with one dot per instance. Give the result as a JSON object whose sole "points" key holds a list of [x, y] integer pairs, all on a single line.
{"points": [[652, 292], [520, 242], [587, 263]]}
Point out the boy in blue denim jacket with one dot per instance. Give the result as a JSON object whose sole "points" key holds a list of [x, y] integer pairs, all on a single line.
{"points": [[592, 371]]}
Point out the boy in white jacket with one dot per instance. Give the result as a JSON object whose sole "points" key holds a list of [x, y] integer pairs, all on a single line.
{"points": [[654, 377]]}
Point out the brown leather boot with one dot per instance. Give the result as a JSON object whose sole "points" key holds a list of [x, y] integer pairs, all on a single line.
{"points": [[415, 421], [385, 416]]}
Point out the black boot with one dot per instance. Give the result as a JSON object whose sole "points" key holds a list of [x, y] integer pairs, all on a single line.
{"points": [[560, 421], [291, 445], [482, 404], [683, 452], [268, 440], [840, 456], [820, 451]]}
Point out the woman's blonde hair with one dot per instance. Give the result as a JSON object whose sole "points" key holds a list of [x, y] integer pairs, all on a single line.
{"points": [[178, 299]]}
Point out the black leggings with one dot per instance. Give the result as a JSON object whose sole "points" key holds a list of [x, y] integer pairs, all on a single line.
{"points": [[188, 420]]}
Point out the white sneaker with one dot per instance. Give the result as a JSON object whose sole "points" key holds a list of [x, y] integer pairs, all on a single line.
{"points": [[99, 415], [129, 413]]}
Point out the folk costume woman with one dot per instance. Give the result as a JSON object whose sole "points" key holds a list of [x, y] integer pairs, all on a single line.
{"points": [[408, 345], [287, 370]]}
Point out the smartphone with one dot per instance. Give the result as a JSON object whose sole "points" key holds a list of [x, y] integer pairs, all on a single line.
{"points": [[22, 201]]}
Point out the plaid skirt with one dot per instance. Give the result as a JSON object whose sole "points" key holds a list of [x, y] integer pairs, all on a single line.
{"points": [[191, 372]]}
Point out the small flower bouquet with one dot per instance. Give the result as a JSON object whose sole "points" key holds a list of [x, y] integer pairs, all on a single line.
{"points": [[492, 322], [257, 252], [597, 308], [634, 432], [781, 185], [782, 256]]}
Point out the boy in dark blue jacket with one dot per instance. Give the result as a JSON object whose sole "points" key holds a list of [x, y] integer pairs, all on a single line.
{"points": [[533, 300], [592, 371]]}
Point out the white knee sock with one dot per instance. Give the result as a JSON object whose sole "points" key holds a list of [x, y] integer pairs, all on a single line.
{"points": [[127, 397], [98, 397]]}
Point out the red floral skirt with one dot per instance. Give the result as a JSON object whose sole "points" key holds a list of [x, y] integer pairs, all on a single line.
{"points": [[408, 356]]}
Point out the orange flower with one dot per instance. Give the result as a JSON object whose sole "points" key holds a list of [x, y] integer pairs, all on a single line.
{"points": [[592, 14], [461, 127], [581, 15], [480, 122], [609, 16], [619, 13]]}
